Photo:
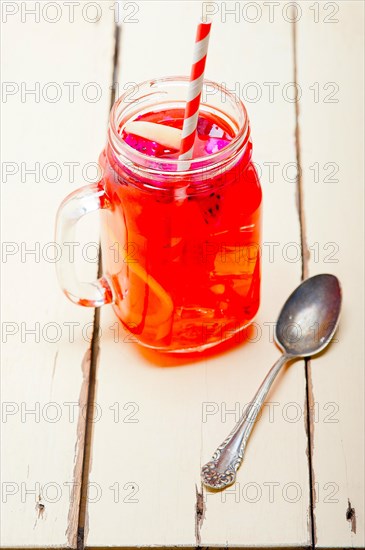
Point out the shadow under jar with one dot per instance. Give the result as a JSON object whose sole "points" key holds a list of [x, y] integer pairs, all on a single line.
{"points": [[180, 239]]}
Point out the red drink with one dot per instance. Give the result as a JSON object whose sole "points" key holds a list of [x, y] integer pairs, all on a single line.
{"points": [[181, 245], [188, 272]]}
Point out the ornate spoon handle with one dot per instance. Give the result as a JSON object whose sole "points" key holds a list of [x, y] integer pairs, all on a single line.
{"points": [[221, 471]]}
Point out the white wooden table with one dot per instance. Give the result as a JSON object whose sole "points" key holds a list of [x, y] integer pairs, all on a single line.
{"points": [[102, 441]]}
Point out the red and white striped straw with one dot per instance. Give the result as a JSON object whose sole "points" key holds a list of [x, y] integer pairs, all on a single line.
{"points": [[195, 90]]}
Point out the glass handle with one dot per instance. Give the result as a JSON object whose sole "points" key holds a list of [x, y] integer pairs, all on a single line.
{"points": [[83, 201]]}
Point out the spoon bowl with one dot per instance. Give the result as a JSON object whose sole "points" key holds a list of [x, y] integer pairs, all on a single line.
{"points": [[310, 316]]}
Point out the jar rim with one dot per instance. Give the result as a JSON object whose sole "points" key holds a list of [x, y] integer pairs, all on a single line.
{"points": [[167, 166]]}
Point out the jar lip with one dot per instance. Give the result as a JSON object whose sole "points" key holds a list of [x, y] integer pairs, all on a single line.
{"points": [[168, 166]]}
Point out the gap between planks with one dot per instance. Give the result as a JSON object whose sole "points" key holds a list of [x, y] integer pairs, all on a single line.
{"points": [[309, 398], [82, 527]]}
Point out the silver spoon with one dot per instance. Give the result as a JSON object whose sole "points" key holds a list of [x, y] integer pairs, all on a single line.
{"points": [[305, 326]]}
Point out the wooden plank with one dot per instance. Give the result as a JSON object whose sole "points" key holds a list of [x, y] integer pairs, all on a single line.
{"points": [[152, 440], [47, 371], [331, 75]]}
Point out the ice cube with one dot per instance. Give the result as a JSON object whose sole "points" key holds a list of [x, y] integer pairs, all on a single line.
{"points": [[215, 144]]}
